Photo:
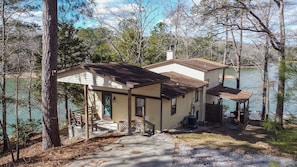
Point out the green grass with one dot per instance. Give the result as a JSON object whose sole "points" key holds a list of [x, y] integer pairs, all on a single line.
{"points": [[286, 141]]}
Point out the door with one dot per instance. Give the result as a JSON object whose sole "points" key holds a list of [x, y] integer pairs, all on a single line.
{"points": [[107, 105]]}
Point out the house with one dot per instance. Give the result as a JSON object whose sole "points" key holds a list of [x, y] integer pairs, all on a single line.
{"points": [[211, 95], [119, 92], [196, 68], [161, 94]]}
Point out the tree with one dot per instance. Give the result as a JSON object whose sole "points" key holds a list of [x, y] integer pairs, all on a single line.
{"points": [[71, 52], [130, 24], [50, 129], [254, 23], [97, 41], [157, 44], [3, 72]]}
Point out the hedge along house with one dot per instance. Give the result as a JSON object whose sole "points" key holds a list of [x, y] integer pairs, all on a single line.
{"points": [[210, 108], [119, 92]]}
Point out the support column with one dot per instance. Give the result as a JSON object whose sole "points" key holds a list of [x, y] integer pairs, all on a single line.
{"points": [[86, 112], [129, 111]]}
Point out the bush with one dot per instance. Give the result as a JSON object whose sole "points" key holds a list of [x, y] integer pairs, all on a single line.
{"points": [[26, 129], [272, 126]]}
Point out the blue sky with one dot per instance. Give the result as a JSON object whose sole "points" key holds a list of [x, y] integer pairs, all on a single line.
{"points": [[105, 11]]}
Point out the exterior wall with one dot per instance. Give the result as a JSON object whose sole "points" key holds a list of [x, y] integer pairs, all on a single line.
{"points": [[95, 100], [87, 78], [183, 108], [211, 99], [181, 70], [151, 90], [212, 77], [120, 103], [153, 111], [120, 107]]}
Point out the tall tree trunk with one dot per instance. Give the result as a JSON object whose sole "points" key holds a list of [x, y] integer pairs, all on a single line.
{"points": [[282, 66], [50, 131], [264, 115], [30, 86], [265, 80], [3, 77], [66, 106], [225, 50]]}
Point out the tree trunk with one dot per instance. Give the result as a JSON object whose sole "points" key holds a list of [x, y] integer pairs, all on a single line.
{"points": [[50, 131], [66, 106], [282, 66], [30, 86], [265, 80], [7, 139], [225, 50], [3, 77]]}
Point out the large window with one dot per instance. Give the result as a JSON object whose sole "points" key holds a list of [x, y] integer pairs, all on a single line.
{"points": [[173, 106], [140, 103], [196, 94]]}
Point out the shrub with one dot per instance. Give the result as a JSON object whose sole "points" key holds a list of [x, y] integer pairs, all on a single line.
{"points": [[26, 129]]}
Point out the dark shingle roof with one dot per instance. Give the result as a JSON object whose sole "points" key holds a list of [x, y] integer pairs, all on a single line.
{"points": [[179, 85], [125, 73], [195, 63]]}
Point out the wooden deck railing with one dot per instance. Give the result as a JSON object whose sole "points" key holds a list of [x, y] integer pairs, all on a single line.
{"points": [[77, 118]]}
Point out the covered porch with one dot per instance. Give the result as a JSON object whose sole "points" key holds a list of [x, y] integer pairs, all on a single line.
{"points": [[239, 96]]}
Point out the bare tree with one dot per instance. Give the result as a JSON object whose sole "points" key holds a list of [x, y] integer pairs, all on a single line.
{"points": [[3, 72], [254, 23], [50, 130], [131, 22]]}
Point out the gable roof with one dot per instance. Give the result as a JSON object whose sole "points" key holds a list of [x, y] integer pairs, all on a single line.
{"points": [[179, 85], [194, 63], [123, 73]]}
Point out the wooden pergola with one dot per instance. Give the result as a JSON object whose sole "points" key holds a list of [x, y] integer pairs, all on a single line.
{"points": [[237, 95]]}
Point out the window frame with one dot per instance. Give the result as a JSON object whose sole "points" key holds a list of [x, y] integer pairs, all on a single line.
{"points": [[173, 105], [196, 95], [137, 113]]}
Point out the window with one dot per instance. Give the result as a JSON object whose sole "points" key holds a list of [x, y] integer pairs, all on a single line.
{"points": [[207, 80], [196, 94], [140, 102], [173, 106]]}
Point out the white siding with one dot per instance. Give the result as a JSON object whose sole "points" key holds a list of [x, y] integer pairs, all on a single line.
{"points": [[87, 78], [181, 70], [213, 78]]}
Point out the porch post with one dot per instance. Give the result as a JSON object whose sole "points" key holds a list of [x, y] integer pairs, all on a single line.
{"points": [[86, 111], [129, 111]]}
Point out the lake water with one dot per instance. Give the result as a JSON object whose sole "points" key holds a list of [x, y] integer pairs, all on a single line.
{"points": [[23, 107], [252, 81]]}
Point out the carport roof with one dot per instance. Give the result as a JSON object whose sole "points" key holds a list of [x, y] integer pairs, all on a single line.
{"points": [[230, 93]]}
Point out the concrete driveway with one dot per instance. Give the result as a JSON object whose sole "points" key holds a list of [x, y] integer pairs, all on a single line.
{"points": [[132, 151]]}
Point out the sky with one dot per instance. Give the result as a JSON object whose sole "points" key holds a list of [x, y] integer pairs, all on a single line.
{"points": [[108, 12]]}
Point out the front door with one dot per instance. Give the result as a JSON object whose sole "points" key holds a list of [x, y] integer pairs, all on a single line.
{"points": [[107, 105]]}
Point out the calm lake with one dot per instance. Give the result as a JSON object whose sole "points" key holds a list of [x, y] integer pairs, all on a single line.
{"points": [[251, 80]]}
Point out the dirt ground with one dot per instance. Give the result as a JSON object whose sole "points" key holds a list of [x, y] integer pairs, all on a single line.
{"points": [[32, 154], [248, 138]]}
